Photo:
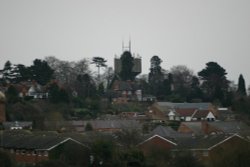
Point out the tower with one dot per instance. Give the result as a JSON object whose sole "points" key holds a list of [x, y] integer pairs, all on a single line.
{"points": [[136, 69]]}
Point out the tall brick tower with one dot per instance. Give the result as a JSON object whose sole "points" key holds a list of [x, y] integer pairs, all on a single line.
{"points": [[2, 108]]}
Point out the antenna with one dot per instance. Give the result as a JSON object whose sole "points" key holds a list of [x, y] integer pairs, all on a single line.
{"points": [[126, 48], [122, 45], [129, 43]]}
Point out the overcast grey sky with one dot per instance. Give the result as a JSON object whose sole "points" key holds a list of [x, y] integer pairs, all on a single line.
{"points": [[180, 32]]}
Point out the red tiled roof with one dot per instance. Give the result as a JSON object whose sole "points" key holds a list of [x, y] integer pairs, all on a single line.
{"points": [[185, 112], [201, 113]]}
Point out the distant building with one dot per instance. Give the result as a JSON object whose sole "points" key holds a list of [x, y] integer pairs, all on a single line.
{"points": [[136, 68], [31, 149], [17, 125]]}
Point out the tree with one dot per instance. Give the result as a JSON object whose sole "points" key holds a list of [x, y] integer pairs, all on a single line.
{"points": [[8, 73], [182, 79], [23, 73], [85, 86], [103, 152], [241, 86], [67, 72], [108, 76], [101, 89], [99, 62], [41, 71], [57, 95], [215, 83], [195, 93], [129, 137], [143, 84], [156, 76], [54, 94], [12, 94], [127, 67]]}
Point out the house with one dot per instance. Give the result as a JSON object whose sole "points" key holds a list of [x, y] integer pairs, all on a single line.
{"points": [[208, 147], [112, 125], [183, 111], [168, 132], [37, 91], [217, 127], [17, 125], [156, 142], [128, 115], [31, 149], [230, 127], [124, 91], [194, 128], [225, 114], [156, 114], [184, 114], [203, 115]]}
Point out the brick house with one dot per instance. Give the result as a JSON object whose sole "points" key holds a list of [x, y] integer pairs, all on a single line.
{"points": [[162, 111], [31, 149], [207, 148], [156, 142]]}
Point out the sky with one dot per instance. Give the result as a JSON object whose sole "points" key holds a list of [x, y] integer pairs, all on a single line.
{"points": [[180, 32]]}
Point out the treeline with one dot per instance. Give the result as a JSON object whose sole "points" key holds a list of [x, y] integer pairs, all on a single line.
{"points": [[74, 82]]}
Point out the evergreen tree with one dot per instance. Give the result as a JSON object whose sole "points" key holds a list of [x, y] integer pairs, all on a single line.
{"points": [[241, 86], [8, 73], [85, 86], [57, 95], [12, 94], [22, 73], [215, 83], [54, 93], [127, 67], [99, 62], [41, 71], [156, 76], [196, 92], [101, 89]]}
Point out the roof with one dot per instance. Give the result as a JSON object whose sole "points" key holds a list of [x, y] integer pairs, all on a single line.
{"points": [[201, 106], [33, 142], [196, 127], [164, 131], [204, 142], [114, 124], [158, 136], [230, 126], [185, 112], [201, 114]]}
